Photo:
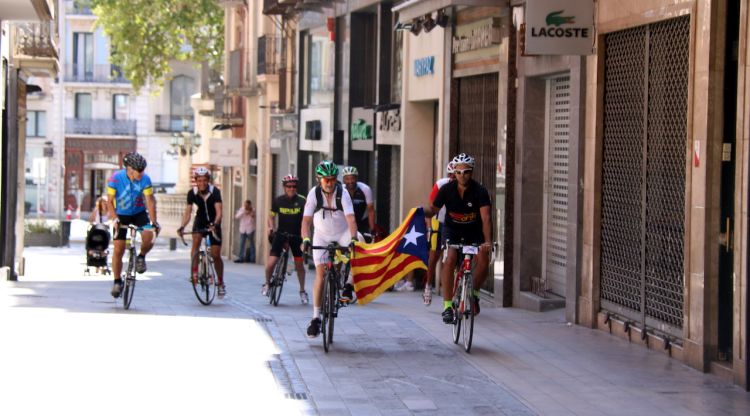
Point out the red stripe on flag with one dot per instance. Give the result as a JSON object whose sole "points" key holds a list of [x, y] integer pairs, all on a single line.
{"points": [[367, 261], [396, 238], [387, 276], [362, 276]]}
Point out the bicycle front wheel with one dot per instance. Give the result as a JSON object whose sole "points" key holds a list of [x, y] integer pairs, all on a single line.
{"points": [[204, 286], [324, 315], [468, 312], [333, 295], [277, 280], [129, 289], [457, 312]]}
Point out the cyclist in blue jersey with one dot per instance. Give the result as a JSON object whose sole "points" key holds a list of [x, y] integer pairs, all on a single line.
{"points": [[131, 201]]}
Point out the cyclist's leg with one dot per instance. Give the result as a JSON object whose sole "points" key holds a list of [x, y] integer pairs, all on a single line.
{"points": [[218, 262], [276, 247], [295, 246], [270, 264], [117, 258], [480, 269], [446, 274]]}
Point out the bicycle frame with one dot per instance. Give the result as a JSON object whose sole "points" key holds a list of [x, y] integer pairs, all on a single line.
{"points": [[331, 302], [130, 276], [206, 273]]}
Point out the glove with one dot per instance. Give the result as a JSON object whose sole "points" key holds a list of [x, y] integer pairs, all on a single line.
{"points": [[306, 244], [180, 230], [157, 227], [352, 244]]}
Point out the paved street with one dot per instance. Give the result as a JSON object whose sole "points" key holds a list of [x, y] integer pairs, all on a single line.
{"points": [[68, 348]]}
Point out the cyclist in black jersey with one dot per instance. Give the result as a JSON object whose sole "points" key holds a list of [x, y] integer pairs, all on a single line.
{"points": [[208, 199], [288, 208], [361, 194]]}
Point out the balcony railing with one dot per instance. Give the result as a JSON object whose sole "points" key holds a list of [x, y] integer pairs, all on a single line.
{"points": [[268, 54], [100, 126], [36, 39], [79, 7], [94, 73], [168, 123]]}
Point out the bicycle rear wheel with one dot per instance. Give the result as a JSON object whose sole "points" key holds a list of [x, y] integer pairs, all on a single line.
{"points": [[457, 312], [277, 280], [468, 312], [324, 316], [205, 285]]}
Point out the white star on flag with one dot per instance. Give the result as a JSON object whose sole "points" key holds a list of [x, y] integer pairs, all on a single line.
{"points": [[412, 236]]}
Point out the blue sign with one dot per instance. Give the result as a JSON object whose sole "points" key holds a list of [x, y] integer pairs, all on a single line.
{"points": [[424, 66]]}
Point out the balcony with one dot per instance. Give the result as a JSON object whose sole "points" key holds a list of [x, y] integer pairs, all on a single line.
{"points": [[268, 54], [281, 7], [79, 7], [94, 73], [170, 124], [36, 47], [100, 127]]}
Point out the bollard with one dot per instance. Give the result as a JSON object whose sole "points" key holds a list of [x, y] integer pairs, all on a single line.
{"points": [[172, 244]]}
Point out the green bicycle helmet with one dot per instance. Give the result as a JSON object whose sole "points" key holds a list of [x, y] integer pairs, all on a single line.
{"points": [[326, 168]]}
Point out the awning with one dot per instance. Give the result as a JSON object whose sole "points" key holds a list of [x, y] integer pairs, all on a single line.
{"points": [[411, 9]]}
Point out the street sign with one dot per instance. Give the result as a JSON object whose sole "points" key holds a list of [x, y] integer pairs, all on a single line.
{"points": [[225, 152]]}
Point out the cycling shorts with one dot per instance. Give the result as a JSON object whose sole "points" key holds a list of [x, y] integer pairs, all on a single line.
{"points": [[319, 255], [139, 220], [461, 235], [215, 237], [295, 243]]}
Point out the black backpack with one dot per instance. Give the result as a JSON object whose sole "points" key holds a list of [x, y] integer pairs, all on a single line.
{"points": [[319, 200]]}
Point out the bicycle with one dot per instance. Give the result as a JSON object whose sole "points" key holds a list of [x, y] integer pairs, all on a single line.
{"points": [[280, 272], [129, 274], [331, 291], [463, 289], [203, 273]]}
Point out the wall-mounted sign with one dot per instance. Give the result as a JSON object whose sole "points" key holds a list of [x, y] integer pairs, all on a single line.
{"points": [[559, 27], [389, 127], [477, 35], [225, 152], [424, 66], [361, 131]]}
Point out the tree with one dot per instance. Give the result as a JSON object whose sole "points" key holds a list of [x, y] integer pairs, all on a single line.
{"points": [[146, 35]]}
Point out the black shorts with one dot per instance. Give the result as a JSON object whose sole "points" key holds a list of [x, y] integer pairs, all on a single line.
{"points": [[461, 235], [215, 237], [280, 239], [139, 220]]}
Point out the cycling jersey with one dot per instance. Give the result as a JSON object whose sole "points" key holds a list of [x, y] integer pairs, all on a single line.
{"points": [[462, 214], [206, 205], [361, 198], [289, 211], [128, 195], [334, 222]]}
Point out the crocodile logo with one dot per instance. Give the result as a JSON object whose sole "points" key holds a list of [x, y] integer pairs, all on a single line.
{"points": [[556, 19]]}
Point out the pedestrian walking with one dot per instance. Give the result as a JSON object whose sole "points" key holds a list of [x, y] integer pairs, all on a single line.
{"points": [[246, 217]]}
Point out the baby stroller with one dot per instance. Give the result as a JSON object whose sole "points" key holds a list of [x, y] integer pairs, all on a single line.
{"points": [[97, 244]]}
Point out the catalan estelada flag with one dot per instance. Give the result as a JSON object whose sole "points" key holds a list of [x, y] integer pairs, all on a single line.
{"points": [[377, 266]]}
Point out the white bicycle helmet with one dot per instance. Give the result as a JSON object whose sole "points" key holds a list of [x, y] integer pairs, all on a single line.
{"points": [[349, 170], [463, 159], [451, 166], [201, 171]]}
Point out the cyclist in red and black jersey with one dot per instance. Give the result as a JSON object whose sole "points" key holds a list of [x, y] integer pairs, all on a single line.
{"points": [[467, 221], [289, 209]]}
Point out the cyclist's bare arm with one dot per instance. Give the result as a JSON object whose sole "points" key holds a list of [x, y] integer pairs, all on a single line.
{"points": [[485, 213], [185, 217], [306, 222], [430, 210], [151, 206], [271, 222], [352, 223], [217, 220], [371, 216]]}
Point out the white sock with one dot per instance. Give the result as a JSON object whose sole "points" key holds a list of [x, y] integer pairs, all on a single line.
{"points": [[316, 312]]}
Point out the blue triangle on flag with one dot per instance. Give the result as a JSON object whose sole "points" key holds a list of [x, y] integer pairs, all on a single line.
{"points": [[414, 241]]}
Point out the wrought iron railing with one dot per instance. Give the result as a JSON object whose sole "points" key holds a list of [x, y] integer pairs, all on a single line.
{"points": [[100, 126], [168, 123], [36, 39], [75, 72], [268, 54]]}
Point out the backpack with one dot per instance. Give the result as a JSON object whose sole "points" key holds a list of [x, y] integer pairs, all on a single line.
{"points": [[319, 199]]}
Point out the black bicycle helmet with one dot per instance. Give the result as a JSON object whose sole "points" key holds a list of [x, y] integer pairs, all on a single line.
{"points": [[135, 161]]}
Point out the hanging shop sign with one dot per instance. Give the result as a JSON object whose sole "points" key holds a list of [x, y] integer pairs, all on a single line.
{"points": [[225, 152], [388, 124], [559, 27], [361, 131], [424, 66], [477, 35]]}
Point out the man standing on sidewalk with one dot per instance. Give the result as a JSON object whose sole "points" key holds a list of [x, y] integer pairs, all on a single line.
{"points": [[246, 217]]}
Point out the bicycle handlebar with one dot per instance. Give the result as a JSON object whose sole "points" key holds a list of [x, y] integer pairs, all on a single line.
{"points": [[202, 231]]}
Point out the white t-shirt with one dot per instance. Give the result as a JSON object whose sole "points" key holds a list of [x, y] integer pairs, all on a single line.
{"points": [[329, 223], [439, 184]]}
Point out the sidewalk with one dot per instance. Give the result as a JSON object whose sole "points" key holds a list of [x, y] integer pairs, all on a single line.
{"points": [[65, 341]]}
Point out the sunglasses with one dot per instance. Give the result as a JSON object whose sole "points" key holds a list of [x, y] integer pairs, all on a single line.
{"points": [[290, 186], [462, 172], [328, 180]]}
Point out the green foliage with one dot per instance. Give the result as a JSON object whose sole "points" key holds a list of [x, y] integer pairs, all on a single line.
{"points": [[146, 34], [40, 227]]}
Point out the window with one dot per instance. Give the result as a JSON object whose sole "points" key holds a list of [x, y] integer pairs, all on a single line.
{"points": [[83, 55], [319, 60], [120, 107], [181, 88], [36, 125], [83, 106]]}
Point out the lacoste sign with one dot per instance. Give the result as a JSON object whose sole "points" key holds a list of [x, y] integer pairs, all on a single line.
{"points": [[559, 27]]}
